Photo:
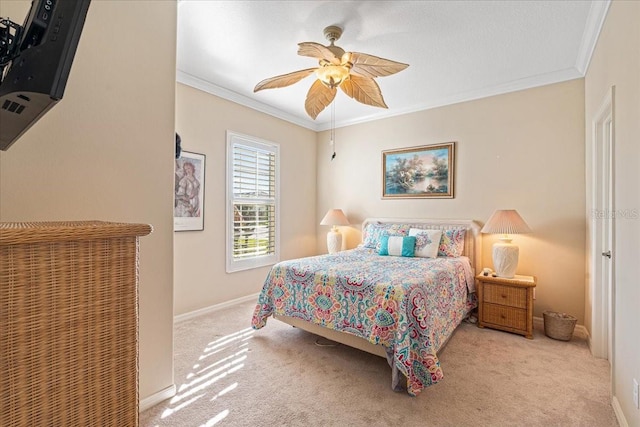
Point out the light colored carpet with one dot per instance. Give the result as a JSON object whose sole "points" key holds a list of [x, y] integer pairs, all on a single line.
{"points": [[230, 375]]}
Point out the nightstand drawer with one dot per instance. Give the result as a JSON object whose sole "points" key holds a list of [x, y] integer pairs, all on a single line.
{"points": [[505, 295], [505, 316]]}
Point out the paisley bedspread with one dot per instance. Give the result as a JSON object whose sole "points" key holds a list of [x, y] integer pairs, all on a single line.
{"points": [[409, 305]]}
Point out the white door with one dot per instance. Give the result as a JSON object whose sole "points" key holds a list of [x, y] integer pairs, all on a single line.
{"points": [[603, 223]]}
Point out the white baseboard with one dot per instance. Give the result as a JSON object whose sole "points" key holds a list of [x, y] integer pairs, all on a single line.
{"points": [[212, 308], [156, 398], [538, 322], [580, 330], [617, 409]]}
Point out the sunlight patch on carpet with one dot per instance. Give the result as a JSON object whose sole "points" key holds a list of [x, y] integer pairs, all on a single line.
{"points": [[215, 420], [171, 411], [224, 391], [223, 356]]}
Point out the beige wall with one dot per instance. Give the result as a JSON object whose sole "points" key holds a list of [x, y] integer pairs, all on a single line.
{"points": [[616, 61], [202, 121], [89, 158], [100, 153], [523, 150]]}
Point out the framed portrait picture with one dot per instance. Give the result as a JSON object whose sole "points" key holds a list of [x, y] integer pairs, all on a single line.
{"points": [[188, 205], [419, 172]]}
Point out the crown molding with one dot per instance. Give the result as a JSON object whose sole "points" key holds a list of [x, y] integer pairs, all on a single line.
{"points": [[197, 83], [514, 86], [595, 21]]}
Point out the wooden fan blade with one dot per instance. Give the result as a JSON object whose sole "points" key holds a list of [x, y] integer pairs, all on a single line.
{"points": [[364, 90], [372, 66], [283, 80], [318, 51], [318, 97]]}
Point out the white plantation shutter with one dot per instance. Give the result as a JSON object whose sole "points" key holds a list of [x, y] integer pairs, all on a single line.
{"points": [[252, 198]]}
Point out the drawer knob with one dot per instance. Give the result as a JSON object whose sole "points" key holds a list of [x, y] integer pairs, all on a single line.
{"points": [[503, 296], [502, 316]]}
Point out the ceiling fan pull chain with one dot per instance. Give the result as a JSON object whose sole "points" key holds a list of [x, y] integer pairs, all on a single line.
{"points": [[333, 129]]}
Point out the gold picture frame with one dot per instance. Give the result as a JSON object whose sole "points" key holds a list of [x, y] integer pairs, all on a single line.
{"points": [[426, 171]]}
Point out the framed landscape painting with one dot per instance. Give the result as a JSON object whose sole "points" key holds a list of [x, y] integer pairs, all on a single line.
{"points": [[419, 172], [188, 205]]}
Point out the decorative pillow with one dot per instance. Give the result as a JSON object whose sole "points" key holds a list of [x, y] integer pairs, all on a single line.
{"points": [[397, 246], [427, 242], [452, 242], [375, 231]]}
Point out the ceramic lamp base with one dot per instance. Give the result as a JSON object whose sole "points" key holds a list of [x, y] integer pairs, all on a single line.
{"points": [[505, 259], [334, 241]]}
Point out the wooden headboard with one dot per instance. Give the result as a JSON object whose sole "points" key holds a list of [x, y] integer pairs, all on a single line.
{"points": [[472, 237]]}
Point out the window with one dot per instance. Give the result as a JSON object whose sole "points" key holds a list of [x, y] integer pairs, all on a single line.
{"points": [[252, 202]]}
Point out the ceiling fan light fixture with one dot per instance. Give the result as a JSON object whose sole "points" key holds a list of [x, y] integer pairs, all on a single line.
{"points": [[332, 75], [353, 72]]}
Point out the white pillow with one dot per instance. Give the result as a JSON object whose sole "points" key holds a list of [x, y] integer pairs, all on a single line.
{"points": [[427, 242]]}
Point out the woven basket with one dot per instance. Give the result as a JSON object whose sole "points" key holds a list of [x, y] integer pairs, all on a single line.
{"points": [[559, 326], [69, 323]]}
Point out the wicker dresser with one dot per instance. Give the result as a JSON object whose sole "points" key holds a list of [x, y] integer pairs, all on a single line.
{"points": [[506, 304], [69, 323]]}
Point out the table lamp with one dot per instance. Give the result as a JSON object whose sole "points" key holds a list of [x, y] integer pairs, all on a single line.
{"points": [[505, 253], [334, 217]]}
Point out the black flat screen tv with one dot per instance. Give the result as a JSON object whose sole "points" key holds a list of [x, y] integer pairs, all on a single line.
{"points": [[34, 77]]}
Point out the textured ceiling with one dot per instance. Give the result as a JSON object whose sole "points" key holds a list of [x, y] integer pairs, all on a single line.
{"points": [[457, 50]]}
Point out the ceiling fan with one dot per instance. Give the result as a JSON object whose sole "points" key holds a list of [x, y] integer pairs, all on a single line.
{"points": [[352, 72]]}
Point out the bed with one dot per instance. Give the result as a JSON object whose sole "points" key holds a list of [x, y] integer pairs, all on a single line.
{"points": [[403, 308]]}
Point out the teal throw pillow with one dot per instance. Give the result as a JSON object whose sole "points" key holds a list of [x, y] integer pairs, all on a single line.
{"points": [[398, 246]]}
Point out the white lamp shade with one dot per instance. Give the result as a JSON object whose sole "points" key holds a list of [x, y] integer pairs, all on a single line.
{"points": [[334, 217], [506, 222], [505, 254]]}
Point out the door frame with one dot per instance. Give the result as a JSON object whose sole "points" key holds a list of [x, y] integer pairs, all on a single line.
{"points": [[602, 295]]}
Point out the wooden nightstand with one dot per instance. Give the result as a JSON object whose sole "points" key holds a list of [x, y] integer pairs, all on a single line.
{"points": [[506, 304]]}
